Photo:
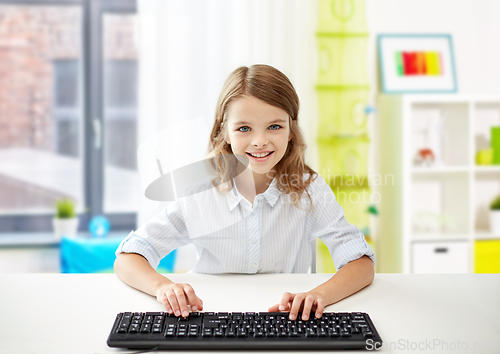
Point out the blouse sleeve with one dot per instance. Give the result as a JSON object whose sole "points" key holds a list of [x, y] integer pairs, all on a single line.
{"points": [[345, 241], [165, 232]]}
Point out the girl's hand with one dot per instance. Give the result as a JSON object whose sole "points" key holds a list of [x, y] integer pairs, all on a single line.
{"points": [[176, 297], [301, 302]]}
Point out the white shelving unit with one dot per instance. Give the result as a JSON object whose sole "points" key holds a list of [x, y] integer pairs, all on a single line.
{"points": [[430, 216]]}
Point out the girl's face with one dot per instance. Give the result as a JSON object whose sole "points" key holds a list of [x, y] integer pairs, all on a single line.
{"points": [[259, 131]]}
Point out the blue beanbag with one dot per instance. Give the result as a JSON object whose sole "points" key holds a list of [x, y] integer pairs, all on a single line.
{"points": [[97, 255]]}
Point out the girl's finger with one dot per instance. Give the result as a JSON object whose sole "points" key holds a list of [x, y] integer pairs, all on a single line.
{"points": [[320, 307], [168, 307], [200, 303], [308, 302], [172, 299], [181, 299], [162, 299], [285, 300], [297, 303], [191, 297]]}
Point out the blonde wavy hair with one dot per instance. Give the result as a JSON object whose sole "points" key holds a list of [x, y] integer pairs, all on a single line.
{"points": [[273, 87]]}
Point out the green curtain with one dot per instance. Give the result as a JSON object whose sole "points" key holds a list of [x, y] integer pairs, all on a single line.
{"points": [[342, 93]]}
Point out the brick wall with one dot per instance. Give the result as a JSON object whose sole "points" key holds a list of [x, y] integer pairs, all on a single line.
{"points": [[31, 38]]}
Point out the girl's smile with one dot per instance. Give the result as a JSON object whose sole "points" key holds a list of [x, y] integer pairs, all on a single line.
{"points": [[260, 156]]}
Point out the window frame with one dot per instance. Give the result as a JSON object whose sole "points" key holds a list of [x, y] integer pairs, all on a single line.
{"points": [[92, 115]]}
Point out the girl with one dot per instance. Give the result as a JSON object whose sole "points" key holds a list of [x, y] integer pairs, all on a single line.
{"points": [[262, 220]]}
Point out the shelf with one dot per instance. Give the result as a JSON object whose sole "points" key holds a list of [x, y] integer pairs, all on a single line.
{"points": [[447, 202], [487, 168], [451, 98], [485, 235], [443, 169], [440, 237]]}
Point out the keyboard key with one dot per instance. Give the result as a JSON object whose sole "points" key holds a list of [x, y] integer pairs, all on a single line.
{"points": [[213, 323], [249, 315], [217, 317], [333, 331], [145, 328], [310, 333]]}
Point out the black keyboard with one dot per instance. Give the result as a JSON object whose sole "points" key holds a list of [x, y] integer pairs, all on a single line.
{"points": [[248, 330]]}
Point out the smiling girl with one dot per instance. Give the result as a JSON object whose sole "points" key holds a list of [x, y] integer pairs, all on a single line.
{"points": [[278, 206]]}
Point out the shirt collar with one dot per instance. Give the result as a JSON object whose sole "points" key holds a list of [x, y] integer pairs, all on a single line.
{"points": [[234, 197]]}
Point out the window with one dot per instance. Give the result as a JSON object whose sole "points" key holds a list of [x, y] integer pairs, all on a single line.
{"points": [[66, 107], [68, 111]]}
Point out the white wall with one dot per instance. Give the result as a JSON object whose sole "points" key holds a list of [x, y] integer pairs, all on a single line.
{"points": [[473, 24]]}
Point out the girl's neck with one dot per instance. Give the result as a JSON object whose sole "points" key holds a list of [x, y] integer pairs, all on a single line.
{"points": [[250, 183]]}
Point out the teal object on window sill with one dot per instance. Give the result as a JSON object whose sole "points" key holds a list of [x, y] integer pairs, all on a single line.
{"points": [[97, 255], [99, 226]]}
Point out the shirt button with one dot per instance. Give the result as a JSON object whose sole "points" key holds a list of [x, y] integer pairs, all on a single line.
{"points": [[254, 265], [254, 241]]}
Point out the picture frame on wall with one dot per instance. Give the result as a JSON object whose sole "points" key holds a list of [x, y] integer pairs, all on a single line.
{"points": [[416, 63]]}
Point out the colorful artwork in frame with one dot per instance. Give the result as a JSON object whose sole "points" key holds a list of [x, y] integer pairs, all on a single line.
{"points": [[416, 63]]}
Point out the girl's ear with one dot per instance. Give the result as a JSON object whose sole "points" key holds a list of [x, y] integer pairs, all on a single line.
{"points": [[290, 136]]}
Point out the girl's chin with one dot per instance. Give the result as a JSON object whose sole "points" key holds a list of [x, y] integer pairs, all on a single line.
{"points": [[261, 170]]}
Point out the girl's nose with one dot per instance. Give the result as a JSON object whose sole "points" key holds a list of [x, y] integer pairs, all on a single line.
{"points": [[260, 141]]}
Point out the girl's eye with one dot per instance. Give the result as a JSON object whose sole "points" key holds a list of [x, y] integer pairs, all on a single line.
{"points": [[244, 129], [275, 127]]}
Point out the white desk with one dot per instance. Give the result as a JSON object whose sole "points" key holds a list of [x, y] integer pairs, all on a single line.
{"points": [[59, 313]]}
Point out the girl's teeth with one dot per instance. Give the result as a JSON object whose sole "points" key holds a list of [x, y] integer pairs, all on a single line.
{"points": [[260, 155]]}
